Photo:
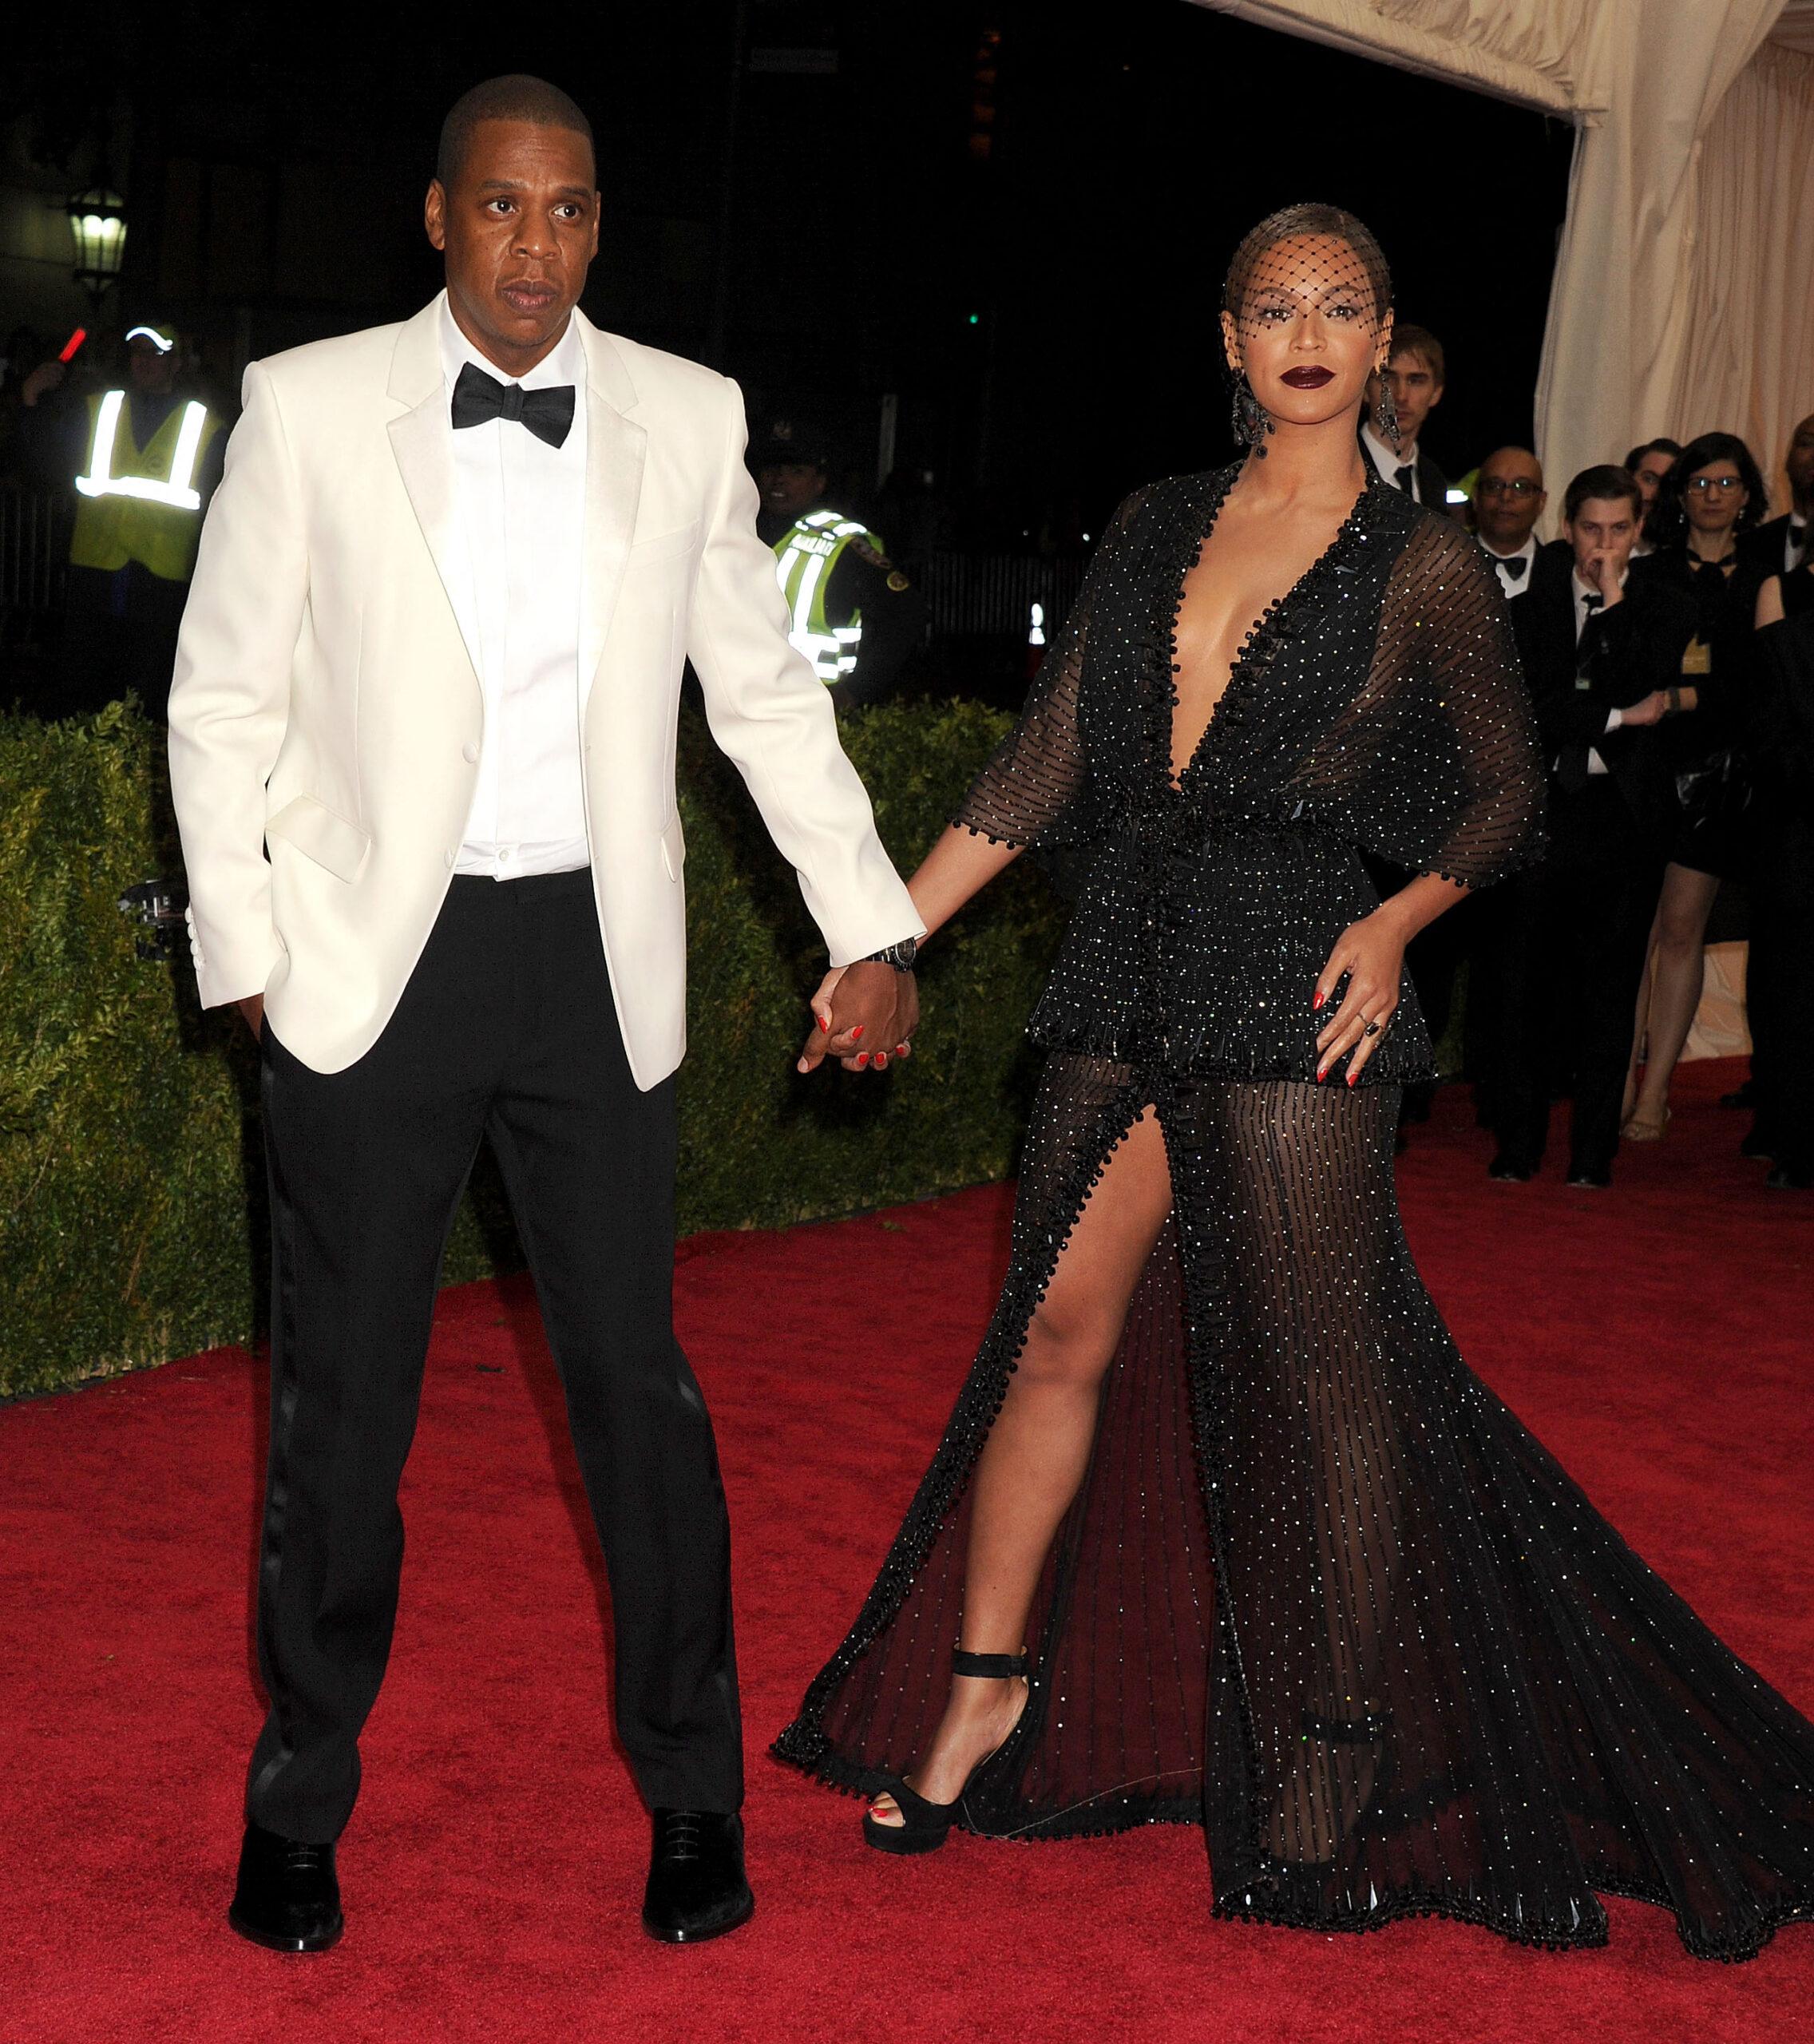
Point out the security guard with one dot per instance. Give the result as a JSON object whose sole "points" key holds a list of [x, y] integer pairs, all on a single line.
{"points": [[145, 460], [855, 615]]}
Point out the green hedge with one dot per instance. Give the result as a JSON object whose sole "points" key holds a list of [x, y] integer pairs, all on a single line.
{"points": [[132, 1210]]}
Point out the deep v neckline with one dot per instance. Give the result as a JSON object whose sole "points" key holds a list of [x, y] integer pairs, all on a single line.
{"points": [[1177, 780]]}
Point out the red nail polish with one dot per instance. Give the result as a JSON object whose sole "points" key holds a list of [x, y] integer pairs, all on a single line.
{"points": [[1317, 998], [1351, 1078], [1322, 1073], [863, 1060], [855, 1032]]}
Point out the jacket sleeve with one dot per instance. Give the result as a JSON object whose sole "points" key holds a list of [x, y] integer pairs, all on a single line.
{"points": [[229, 701], [773, 718]]}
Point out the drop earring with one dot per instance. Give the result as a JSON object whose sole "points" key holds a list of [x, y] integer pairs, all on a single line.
{"points": [[1385, 412], [1251, 423]]}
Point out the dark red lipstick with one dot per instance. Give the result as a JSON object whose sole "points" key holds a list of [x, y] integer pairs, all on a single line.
{"points": [[1309, 377]]}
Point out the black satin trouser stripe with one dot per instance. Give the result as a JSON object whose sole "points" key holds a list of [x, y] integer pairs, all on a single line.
{"points": [[506, 1030]]}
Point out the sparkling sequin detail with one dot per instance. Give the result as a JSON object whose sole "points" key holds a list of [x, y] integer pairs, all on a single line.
{"points": [[1321, 1591]]}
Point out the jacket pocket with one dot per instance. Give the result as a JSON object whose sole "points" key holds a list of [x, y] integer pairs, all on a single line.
{"points": [[317, 834], [664, 546]]}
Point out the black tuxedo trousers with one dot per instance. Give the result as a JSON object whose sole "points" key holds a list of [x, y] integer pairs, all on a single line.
{"points": [[1571, 935], [506, 1031]]}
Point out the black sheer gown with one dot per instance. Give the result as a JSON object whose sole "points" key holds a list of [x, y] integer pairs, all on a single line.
{"points": [[1319, 1591]]}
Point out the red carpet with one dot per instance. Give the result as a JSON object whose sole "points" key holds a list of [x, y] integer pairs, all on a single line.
{"points": [[1654, 1337]]}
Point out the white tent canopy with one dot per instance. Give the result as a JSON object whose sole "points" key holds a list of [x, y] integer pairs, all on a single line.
{"points": [[1684, 292]]}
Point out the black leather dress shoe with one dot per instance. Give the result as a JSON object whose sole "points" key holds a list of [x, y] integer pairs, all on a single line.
{"points": [[287, 1899], [1585, 1177], [1509, 1170], [1782, 1179], [696, 1887]]}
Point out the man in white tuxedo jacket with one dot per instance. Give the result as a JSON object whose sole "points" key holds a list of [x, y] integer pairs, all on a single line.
{"points": [[421, 746]]}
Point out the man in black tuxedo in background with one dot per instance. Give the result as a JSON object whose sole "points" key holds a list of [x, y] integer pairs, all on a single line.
{"points": [[1603, 657], [1390, 434], [1781, 544], [1509, 498]]}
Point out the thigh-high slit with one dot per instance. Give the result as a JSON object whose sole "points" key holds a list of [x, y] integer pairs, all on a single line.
{"points": [[1319, 1590]]}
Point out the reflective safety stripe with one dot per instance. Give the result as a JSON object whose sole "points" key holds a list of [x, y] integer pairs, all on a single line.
{"points": [[176, 490], [805, 558]]}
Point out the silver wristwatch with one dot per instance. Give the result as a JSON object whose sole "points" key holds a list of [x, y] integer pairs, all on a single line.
{"points": [[900, 955]]}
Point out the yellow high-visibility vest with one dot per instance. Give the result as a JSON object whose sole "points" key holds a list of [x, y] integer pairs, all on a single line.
{"points": [[804, 557], [140, 503]]}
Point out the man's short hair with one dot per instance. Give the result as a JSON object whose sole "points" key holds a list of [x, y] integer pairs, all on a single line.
{"points": [[515, 97], [1672, 448], [1602, 480], [1420, 342]]}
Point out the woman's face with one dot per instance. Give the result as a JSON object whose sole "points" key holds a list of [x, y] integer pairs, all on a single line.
{"points": [[1308, 337], [1713, 497]]}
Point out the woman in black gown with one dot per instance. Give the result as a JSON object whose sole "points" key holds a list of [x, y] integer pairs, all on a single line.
{"points": [[1222, 1530], [1712, 496]]}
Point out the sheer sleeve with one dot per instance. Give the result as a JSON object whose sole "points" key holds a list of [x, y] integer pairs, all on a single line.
{"points": [[1467, 798], [1034, 793]]}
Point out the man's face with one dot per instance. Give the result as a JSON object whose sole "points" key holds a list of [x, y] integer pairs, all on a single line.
{"points": [[1414, 391], [1508, 498], [1800, 461], [1649, 473], [152, 369], [789, 487], [519, 231], [1604, 528]]}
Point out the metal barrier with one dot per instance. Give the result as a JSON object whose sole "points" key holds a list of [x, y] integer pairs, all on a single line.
{"points": [[993, 596], [34, 554]]}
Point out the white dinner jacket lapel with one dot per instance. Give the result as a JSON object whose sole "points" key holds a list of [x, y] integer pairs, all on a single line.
{"points": [[616, 448], [421, 439]]}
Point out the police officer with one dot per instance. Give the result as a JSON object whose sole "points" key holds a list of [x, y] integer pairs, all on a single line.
{"points": [[855, 615], [143, 458]]}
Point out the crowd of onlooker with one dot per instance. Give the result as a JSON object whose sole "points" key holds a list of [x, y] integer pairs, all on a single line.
{"points": [[1667, 638]]}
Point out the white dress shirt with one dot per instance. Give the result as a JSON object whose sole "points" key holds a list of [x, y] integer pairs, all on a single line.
{"points": [[522, 508], [1795, 542], [1582, 592], [1389, 460], [1517, 585]]}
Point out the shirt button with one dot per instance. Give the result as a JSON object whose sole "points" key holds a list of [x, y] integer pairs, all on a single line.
{"points": [[470, 753]]}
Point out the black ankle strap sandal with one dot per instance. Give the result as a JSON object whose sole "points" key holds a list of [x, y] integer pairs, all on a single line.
{"points": [[924, 1826], [989, 1667]]}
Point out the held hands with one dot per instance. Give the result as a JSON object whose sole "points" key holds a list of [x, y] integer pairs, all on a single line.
{"points": [[1649, 709], [1371, 953], [863, 1015]]}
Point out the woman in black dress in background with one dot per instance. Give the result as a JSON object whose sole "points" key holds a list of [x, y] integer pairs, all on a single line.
{"points": [[1779, 980], [1222, 1530], [1712, 493]]}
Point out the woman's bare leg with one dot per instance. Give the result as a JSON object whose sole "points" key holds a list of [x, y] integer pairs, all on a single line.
{"points": [[1678, 973], [1039, 1448]]}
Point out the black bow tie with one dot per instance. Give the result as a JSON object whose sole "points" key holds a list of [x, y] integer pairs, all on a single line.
{"points": [[548, 414], [1514, 567]]}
